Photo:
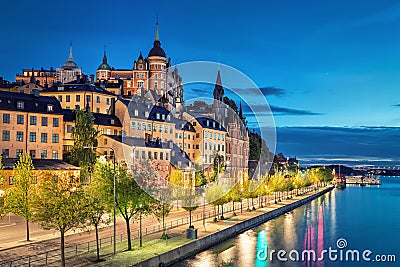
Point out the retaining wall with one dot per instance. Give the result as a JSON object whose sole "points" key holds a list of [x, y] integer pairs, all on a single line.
{"points": [[203, 243]]}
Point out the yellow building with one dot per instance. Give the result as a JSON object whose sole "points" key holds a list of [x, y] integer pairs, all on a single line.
{"points": [[42, 76], [42, 167], [80, 96], [30, 123]]}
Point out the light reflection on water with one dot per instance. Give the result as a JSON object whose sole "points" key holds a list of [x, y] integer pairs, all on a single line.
{"points": [[364, 216]]}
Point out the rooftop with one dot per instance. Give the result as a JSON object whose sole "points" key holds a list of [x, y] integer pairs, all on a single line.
{"points": [[41, 164], [29, 103]]}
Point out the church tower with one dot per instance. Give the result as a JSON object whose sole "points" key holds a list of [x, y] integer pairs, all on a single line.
{"points": [[219, 106]]}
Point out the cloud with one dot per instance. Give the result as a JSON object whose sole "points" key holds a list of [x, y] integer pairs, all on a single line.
{"points": [[266, 91], [279, 111]]}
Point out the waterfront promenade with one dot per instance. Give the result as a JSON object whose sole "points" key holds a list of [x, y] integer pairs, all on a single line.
{"points": [[152, 244]]}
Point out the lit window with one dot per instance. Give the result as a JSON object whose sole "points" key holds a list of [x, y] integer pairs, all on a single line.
{"points": [[20, 136], [49, 108], [20, 105], [55, 138], [32, 137], [20, 119], [6, 135]]}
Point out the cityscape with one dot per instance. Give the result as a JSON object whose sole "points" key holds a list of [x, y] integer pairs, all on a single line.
{"points": [[170, 151]]}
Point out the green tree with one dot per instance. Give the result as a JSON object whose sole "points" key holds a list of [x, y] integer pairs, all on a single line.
{"points": [[235, 195], [97, 193], [3, 210], [19, 197], [60, 205], [189, 203], [84, 135], [161, 210]]}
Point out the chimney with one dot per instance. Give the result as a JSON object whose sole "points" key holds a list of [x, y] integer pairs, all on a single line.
{"points": [[91, 78], [112, 107]]}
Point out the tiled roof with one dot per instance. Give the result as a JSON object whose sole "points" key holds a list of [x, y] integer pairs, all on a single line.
{"points": [[99, 118], [77, 88], [31, 103], [41, 164]]}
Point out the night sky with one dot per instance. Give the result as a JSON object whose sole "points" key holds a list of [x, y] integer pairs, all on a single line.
{"points": [[319, 63]]}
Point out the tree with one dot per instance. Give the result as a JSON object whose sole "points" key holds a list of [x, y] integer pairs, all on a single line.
{"points": [[97, 193], [19, 197], [60, 205], [218, 166], [235, 195], [3, 210], [189, 203], [84, 135], [161, 210]]}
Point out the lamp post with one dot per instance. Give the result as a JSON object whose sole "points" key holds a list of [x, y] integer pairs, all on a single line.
{"points": [[140, 226], [204, 210], [114, 195]]}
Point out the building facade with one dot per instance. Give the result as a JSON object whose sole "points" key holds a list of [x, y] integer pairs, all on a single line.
{"points": [[30, 123]]}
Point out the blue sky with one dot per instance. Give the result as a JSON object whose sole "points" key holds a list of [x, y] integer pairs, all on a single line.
{"points": [[338, 59], [320, 63]]}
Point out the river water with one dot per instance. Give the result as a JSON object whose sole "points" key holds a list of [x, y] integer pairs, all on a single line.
{"points": [[357, 226]]}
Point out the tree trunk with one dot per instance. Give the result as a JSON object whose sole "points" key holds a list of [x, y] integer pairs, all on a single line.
{"points": [[27, 230], [97, 241], [128, 233], [222, 212], [190, 218], [163, 223], [241, 206], [62, 249]]}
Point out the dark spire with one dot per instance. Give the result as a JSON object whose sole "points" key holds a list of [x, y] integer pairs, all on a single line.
{"points": [[140, 56], [240, 111], [218, 89], [105, 56]]}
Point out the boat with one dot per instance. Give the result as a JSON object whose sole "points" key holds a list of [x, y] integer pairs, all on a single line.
{"points": [[339, 180]]}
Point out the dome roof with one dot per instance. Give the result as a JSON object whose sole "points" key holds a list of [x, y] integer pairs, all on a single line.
{"points": [[157, 51], [104, 65], [70, 64]]}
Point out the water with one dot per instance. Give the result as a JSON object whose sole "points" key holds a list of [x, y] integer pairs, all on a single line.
{"points": [[367, 218]]}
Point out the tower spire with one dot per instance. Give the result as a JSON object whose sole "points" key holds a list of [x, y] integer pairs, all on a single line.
{"points": [[105, 55], [70, 52], [157, 37]]}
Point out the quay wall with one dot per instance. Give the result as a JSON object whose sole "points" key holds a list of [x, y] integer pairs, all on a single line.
{"points": [[204, 243]]}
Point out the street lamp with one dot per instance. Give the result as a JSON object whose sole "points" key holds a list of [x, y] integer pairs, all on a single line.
{"points": [[204, 210], [114, 194], [140, 225]]}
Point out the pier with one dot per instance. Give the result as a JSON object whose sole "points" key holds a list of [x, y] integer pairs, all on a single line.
{"points": [[362, 180]]}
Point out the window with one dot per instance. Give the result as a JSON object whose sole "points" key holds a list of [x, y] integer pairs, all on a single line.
{"points": [[215, 136], [158, 116], [161, 155], [160, 129], [143, 154], [44, 121], [136, 112], [140, 84], [20, 136], [197, 146], [155, 85], [6, 135], [97, 110], [44, 138], [149, 155], [11, 180], [54, 155], [154, 128], [43, 154], [32, 120], [97, 99], [170, 130], [156, 76], [149, 127], [223, 147], [205, 146], [223, 137], [49, 108], [19, 152], [165, 129], [143, 126], [133, 125], [69, 128], [155, 155], [88, 98], [60, 98], [166, 156], [77, 98], [55, 122], [136, 154], [6, 118], [107, 101], [55, 138], [205, 134], [5, 153], [67, 107], [20, 105], [32, 137], [67, 98], [32, 153], [77, 107], [20, 119]]}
